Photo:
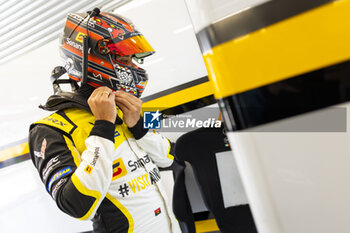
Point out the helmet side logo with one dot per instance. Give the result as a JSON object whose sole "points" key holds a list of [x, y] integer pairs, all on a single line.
{"points": [[80, 36]]}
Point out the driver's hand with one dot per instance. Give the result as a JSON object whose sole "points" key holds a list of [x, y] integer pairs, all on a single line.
{"points": [[130, 106], [102, 104]]}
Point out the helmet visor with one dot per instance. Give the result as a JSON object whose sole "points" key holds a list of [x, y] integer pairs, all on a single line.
{"points": [[136, 45]]}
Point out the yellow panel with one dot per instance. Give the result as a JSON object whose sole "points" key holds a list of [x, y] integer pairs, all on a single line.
{"points": [[14, 151], [123, 210], [92, 193], [306, 42], [73, 150], [181, 97], [169, 156], [206, 226], [57, 121]]}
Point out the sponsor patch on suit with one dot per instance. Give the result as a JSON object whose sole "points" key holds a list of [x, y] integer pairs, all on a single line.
{"points": [[119, 169]]}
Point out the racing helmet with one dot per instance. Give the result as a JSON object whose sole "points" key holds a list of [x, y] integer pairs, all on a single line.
{"points": [[109, 36]]}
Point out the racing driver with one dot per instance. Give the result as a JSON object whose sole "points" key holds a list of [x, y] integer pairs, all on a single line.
{"points": [[93, 155]]}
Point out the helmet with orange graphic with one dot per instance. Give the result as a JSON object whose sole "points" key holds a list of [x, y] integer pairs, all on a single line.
{"points": [[110, 36]]}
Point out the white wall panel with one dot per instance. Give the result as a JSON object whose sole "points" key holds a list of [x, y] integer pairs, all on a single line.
{"points": [[296, 181], [205, 12], [25, 205], [25, 84]]}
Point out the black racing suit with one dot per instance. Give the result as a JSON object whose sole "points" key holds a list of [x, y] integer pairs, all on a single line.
{"points": [[101, 171]]}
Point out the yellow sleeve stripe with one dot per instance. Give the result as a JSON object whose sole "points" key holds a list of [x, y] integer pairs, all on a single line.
{"points": [[82, 189], [73, 150], [169, 156], [123, 210]]}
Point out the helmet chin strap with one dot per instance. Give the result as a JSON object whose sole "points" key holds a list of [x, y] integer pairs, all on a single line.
{"points": [[85, 59]]}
